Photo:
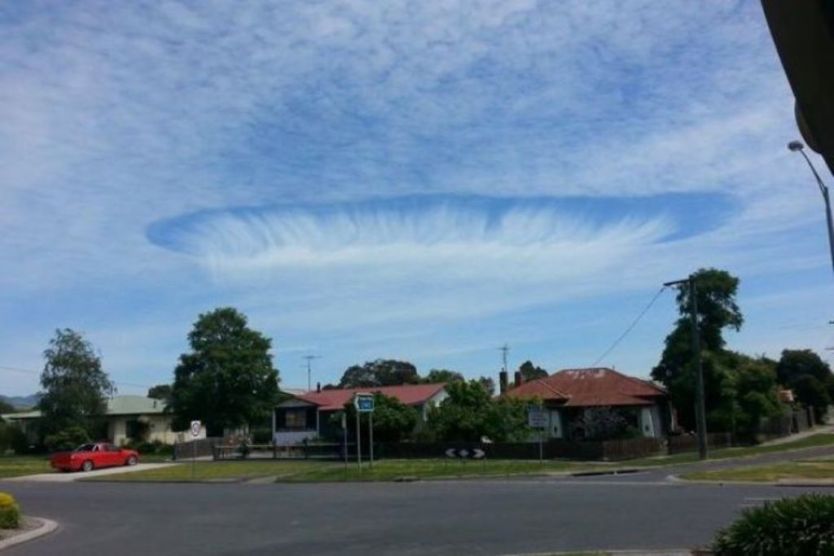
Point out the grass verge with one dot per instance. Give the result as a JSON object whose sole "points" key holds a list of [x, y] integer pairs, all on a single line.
{"points": [[810, 469], [317, 471], [16, 466], [813, 441]]}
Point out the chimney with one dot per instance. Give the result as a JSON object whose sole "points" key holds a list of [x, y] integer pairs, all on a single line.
{"points": [[318, 387], [502, 382], [518, 379]]}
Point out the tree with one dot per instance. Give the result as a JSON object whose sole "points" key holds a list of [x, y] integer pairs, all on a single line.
{"points": [[75, 386], [442, 375], [470, 413], [160, 392], [531, 372], [227, 379], [810, 378], [393, 420], [717, 310], [488, 384], [6, 407], [382, 372]]}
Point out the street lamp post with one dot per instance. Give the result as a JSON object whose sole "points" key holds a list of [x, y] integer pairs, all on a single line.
{"points": [[700, 403], [797, 146]]}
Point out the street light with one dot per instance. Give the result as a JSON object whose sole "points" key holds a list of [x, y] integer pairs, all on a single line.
{"points": [[798, 147]]}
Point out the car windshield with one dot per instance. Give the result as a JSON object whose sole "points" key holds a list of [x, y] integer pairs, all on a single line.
{"points": [[85, 448]]}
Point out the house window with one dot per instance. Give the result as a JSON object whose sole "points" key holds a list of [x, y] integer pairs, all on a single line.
{"points": [[296, 419]]}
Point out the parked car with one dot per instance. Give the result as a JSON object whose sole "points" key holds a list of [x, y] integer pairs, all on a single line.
{"points": [[93, 456]]}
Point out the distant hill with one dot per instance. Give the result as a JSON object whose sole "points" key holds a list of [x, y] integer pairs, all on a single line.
{"points": [[22, 402]]}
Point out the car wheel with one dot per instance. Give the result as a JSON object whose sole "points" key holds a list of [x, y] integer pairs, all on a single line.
{"points": [[131, 460], [87, 466]]}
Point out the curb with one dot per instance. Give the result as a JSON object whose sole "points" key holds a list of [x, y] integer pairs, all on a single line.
{"points": [[47, 526], [647, 552]]}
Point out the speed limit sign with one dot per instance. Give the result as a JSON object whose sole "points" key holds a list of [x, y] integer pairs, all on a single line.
{"points": [[196, 427]]}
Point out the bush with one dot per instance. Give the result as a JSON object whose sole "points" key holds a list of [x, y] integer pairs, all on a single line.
{"points": [[9, 512], [156, 447], [261, 436], [801, 526], [67, 439]]}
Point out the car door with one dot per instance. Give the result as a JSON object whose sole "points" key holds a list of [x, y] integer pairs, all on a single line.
{"points": [[113, 454]]}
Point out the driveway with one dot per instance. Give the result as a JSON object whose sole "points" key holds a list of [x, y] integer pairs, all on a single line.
{"points": [[58, 477]]}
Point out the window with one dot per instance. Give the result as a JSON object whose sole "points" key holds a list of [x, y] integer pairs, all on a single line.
{"points": [[296, 419]]}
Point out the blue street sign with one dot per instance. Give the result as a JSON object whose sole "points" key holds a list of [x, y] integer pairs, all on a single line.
{"points": [[364, 403]]}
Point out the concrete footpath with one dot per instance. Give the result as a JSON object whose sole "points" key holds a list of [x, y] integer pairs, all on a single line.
{"points": [[61, 477]]}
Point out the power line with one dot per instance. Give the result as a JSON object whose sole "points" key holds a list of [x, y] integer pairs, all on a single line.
{"points": [[629, 328]]}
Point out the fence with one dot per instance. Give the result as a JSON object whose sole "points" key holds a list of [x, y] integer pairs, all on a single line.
{"points": [[277, 451], [609, 450], [689, 443], [201, 447]]}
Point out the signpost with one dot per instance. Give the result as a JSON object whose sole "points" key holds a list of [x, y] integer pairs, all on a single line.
{"points": [[364, 403], [344, 434], [537, 419], [196, 427]]}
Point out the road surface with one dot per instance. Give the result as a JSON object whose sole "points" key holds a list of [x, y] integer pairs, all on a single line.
{"points": [[453, 517]]}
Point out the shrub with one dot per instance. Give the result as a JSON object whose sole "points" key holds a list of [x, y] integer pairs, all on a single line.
{"points": [[9, 512], [801, 526], [261, 436], [67, 439]]}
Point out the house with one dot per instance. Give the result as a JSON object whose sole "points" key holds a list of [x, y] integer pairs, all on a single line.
{"points": [[308, 415], [571, 395], [127, 417]]}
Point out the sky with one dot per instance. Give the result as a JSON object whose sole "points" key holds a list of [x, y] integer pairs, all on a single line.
{"points": [[423, 181]]}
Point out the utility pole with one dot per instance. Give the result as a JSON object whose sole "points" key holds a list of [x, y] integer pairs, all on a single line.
{"points": [[505, 349], [700, 405], [309, 359]]}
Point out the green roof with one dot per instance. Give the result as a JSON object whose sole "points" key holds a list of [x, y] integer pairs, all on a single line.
{"points": [[118, 405]]}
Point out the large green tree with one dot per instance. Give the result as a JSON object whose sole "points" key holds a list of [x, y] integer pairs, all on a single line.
{"points": [[381, 372], [470, 413], [810, 378], [161, 392], [75, 387], [227, 379], [739, 390], [436, 376], [529, 371]]}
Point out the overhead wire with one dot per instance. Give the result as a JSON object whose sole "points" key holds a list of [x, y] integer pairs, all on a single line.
{"points": [[630, 327]]}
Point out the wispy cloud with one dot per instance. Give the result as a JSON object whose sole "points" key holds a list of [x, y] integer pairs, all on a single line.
{"points": [[322, 118]]}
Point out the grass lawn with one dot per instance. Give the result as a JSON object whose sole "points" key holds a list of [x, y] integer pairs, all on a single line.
{"points": [[810, 469], [389, 470], [813, 441], [15, 466], [316, 471]]}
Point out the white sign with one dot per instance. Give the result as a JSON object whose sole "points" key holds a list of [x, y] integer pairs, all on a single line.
{"points": [[536, 418], [196, 427]]}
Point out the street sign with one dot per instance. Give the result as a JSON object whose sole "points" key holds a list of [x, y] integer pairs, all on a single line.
{"points": [[536, 417], [463, 453], [196, 427], [364, 403]]}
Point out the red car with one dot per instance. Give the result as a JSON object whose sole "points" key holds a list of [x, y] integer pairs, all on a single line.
{"points": [[93, 456]]}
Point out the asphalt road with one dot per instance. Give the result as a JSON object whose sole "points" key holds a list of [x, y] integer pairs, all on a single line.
{"points": [[454, 517]]}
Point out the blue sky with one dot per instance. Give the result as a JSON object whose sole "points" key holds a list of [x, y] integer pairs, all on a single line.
{"points": [[415, 180]]}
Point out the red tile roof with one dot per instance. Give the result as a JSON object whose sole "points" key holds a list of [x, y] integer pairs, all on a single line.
{"points": [[409, 394], [589, 387]]}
